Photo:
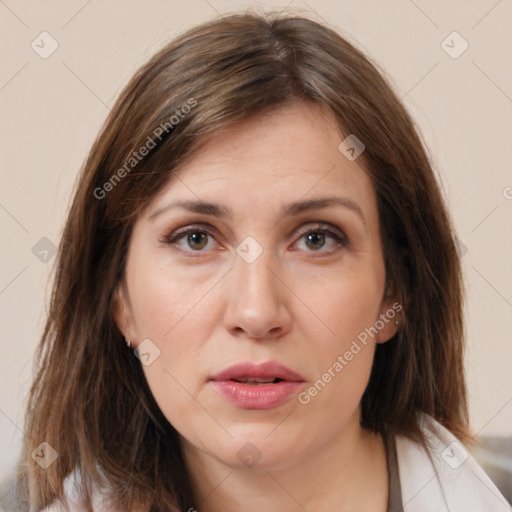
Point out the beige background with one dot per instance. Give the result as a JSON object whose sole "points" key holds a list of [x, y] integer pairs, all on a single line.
{"points": [[51, 110]]}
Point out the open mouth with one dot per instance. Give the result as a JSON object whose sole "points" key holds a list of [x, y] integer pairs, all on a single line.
{"points": [[257, 386], [256, 381]]}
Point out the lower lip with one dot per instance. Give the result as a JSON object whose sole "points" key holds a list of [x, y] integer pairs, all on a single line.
{"points": [[259, 396]]}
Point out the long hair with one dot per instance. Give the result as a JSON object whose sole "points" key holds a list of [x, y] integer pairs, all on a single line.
{"points": [[89, 400]]}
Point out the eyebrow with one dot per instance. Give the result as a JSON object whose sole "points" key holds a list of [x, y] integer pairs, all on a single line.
{"points": [[295, 208], [324, 202], [198, 206]]}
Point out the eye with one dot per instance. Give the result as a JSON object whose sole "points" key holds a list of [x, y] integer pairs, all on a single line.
{"points": [[315, 241], [320, 239], [196, 240], [191, 239]]}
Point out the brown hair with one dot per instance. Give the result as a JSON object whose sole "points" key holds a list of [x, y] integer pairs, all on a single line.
{"points": [[90, 400]]}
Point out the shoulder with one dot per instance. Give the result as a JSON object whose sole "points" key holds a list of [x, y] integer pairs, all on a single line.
{"points": [[74, 499], [443, 476]]}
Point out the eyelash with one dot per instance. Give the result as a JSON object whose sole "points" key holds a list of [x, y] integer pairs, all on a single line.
{"points": [[324, 229], [174, 237]]}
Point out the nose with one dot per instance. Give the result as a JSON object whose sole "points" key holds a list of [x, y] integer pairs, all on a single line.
{"points": [[258, 303]]}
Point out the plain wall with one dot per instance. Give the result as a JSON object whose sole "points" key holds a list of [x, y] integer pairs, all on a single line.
{"points": [[52, 109]]}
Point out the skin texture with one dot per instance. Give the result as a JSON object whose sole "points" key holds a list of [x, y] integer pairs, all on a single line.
{"points": [[300, 306]]}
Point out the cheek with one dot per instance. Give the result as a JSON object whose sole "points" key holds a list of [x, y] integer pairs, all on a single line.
{"points": [[174, 385], [162, 299], [346, 301], [343, 363], [328, 403], [178, 314]]}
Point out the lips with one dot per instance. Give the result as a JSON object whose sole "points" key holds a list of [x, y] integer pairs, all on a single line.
{"points": [[254, 381], [258, 373], [257, 386]]}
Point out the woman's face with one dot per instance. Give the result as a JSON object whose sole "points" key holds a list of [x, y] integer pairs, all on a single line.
{"points": [[260, 260]]}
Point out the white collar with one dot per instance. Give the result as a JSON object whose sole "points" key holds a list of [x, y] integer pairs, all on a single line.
{"points": [[444, 478]]}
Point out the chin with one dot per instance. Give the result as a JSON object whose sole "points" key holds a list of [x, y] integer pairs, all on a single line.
{"points": [[260, 447], [256, 456]]}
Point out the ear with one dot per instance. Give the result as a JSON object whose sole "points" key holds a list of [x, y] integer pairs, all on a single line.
{"points": [[122, 313], [390, 319]]}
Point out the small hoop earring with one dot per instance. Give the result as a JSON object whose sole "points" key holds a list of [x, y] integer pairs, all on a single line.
{"points": [[128, 342]]}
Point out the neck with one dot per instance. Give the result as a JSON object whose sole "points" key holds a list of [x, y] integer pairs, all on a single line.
{"points": [[349, 473]]}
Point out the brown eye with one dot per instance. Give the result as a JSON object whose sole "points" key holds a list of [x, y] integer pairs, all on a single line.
{"points": [[320, 239], [192, 239], [315, 241], [197, 240]]}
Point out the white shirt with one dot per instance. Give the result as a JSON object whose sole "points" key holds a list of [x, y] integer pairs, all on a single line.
{"points": [[446, 478]]}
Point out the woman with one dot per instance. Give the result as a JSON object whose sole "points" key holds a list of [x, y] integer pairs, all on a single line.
{"points": [[258, 297]]}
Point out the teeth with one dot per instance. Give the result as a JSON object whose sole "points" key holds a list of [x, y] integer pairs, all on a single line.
{"points": [[256, 380]]}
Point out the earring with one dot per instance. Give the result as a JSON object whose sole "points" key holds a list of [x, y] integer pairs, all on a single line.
{"points": [[397, 323], [128, 342]]}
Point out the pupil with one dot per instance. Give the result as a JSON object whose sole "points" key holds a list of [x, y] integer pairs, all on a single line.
{"points": [[315, 240], [197, 240]]}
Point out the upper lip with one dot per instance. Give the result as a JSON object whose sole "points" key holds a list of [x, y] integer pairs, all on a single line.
{"points": [[248, 370]]}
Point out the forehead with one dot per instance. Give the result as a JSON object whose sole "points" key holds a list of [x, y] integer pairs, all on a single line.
{"points": [[273, 158]]}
